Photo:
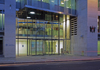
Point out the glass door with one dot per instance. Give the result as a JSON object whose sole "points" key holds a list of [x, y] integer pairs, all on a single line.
{"points": [[51, 47], [32, 47], [39, 47], [35, 47]]}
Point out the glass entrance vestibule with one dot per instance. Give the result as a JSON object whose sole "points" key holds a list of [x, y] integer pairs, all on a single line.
{"points": [[42, 33], [35, 37], [42, 47]]}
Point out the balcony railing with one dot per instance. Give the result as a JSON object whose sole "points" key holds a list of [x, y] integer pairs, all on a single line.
{"points": [[49, 6]]}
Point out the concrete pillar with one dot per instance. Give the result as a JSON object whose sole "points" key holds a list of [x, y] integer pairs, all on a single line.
{"points": [[10, 28], [85, 42], [92, 16]]}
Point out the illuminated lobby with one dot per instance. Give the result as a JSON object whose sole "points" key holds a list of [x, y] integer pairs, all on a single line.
{"points": [[49, 27]]}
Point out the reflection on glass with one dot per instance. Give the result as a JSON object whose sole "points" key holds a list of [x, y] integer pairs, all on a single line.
{"points": [[51, 47], [30, 28]]}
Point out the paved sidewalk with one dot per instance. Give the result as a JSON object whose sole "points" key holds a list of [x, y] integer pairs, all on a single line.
{"points": [[46, 58]]}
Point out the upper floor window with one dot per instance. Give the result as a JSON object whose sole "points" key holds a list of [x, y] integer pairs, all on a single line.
{"points": [[2, 17], [47, 1], [2, 1], [99, 5]]}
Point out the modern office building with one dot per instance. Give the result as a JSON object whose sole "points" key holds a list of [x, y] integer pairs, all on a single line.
{"points": [[49, 27]]}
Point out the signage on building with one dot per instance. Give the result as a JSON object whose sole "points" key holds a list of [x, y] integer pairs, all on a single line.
{"points": [[92, 29], [10, 45], [22, 45]]}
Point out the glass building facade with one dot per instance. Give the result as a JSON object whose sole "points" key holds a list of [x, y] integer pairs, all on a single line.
{"points": [[62, 6], [41, 32]]}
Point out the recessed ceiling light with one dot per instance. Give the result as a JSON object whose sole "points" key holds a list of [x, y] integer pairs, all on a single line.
{"points": [[28, 17], [52, 1], [32, 12], [62, 3]]}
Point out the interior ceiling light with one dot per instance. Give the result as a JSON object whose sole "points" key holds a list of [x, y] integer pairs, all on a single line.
{"points": [[62, 2], [28, 17], [32, 12], [65, 0], [52, 1], [60, 12]]}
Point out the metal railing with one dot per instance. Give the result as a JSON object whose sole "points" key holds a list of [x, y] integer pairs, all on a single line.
{"points": [[48, 6]]}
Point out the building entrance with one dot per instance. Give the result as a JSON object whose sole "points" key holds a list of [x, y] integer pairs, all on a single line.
{"points": [[35, 47], [43, 47], [31, 47]]}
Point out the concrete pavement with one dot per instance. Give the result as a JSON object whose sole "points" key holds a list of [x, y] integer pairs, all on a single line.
{"points": [[46, 58]]}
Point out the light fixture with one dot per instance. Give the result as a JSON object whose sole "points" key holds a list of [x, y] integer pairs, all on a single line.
{"points": [[32, 12], [60, 12], [62, 3], [97, 20], [28, 17], [66, 0], [52, 1]]}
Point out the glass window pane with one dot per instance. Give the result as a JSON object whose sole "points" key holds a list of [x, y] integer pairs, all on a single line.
{"points": [[0, 21], [47, 1], [55, 31], [30, 28], [54, 5], [22, 28], [73, 7], [48, 30], [2, 17], [62, 3]]}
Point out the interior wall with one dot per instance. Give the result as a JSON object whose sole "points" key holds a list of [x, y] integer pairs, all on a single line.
{"points": [[21, 47]]}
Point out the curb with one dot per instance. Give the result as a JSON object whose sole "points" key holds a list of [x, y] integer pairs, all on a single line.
{"points": [[50, 61]]}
